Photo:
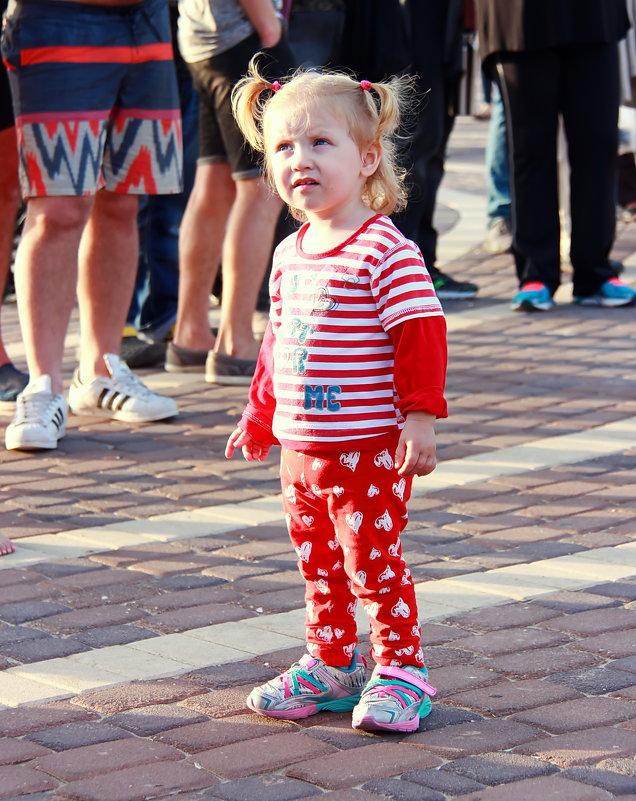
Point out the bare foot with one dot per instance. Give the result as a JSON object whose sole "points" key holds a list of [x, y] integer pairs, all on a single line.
{"points": [[6, 546]]}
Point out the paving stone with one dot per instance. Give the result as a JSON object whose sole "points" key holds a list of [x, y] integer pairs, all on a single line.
{"points": [[402, 790], [595, 680], [475, 737], [30, 610], [105, 757], [442, 716], [193, 617], [506, 616], [506, 641], [219, 676], [547, 788], [36, 650], [221, 703], [499, 768], [571, 601], [623, 590], [595, 621], [13, 751], [21, 779], [136, 784], [442, 780], [439, 657], [506, 697], [91, 579], [124, 697], [335, 728], [264, 754], [628, 664], [148, 720], [74, 735], [356, 765], [578, 714], [265, 788], [582, 747], [188, 581], [50, 796], [181, 599], [541, 662], [212, 733], [113, 635], [81, 619], [610, 645], [9, 635], [614, 783], [25, 719]]}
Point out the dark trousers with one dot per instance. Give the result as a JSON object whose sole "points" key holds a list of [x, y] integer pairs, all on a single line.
{"points": [[424, 161], [581, 83]]}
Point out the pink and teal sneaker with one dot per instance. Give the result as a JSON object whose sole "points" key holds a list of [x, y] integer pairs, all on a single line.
{"points": [[309, 687], [395, 699]]}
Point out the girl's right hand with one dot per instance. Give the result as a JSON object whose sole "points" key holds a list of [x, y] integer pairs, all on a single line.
{"points": [[252, 449]]}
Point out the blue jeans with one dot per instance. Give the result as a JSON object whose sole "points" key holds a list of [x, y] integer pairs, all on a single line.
{"points": [[497, 168], [153, 309]]}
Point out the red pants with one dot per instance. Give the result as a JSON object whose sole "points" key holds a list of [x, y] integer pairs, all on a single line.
{"points": [[345, 512]]}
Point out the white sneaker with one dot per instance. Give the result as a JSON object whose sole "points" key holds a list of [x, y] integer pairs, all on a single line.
{"points": [[40, 418], [122, 396]]}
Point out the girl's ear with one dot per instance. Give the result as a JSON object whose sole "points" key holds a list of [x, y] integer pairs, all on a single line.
{"points": [[371, 156]]}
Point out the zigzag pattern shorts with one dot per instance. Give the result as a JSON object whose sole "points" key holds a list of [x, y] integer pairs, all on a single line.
{"points": [[94, 96], [345, 513]]}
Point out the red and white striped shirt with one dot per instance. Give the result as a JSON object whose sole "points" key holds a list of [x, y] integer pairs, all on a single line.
{"points": [[333, 369]]}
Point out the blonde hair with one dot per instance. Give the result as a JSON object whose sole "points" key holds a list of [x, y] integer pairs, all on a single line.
{"points": [[372, 116]]}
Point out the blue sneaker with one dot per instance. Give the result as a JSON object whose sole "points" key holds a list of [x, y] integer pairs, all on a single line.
{"points": [[610, 294], [533, 296]]}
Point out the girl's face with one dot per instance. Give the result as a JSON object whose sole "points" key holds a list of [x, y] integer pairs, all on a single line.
{"points": [[317, 166]]}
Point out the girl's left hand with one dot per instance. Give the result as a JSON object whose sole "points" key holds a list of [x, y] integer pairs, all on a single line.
{"points": [[416, 454], [252, 448]]}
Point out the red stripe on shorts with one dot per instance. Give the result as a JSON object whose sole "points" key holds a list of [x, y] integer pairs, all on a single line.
{"points": [[161, 51]]}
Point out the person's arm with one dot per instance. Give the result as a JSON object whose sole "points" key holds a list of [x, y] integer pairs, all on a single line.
{"points": [[420, 377], [267, 24]]}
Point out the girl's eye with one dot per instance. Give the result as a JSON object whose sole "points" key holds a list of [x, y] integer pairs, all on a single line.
{"points": [[321, 141], [283, 146]]}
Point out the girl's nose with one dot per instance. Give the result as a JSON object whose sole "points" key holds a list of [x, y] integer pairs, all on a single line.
{"points": [[300, 158]]}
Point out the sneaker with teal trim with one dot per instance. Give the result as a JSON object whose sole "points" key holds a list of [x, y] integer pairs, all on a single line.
{"points": [[611, 294], [309, 687], [395, 699], [533, 296]]}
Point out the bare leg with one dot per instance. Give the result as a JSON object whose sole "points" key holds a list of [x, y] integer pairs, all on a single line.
{"points": [[108, 264], [46, 278], [246, 253], [200, 243], [9, 203]]}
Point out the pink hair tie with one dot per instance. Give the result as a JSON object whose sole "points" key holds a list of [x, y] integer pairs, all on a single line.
{"points": [[366, 85], [275, 86]]}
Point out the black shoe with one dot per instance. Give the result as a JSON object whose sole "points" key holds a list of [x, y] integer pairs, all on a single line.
{"points": [[137, 353], [448, 288], [12, 382]]}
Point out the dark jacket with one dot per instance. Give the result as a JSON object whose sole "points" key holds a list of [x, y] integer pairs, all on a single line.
{"points": [[521, 25]]}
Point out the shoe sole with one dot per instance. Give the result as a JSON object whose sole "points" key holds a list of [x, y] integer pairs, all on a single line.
{"points": [[368, 723], [456, 295], [338, 705], [124, 417], [527, 306], [15, 443], [184, 368], [604, 304], [229, 380]]}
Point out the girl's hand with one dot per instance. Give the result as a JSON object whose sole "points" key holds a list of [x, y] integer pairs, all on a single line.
{"points": [[415, 453], [252, 449]]}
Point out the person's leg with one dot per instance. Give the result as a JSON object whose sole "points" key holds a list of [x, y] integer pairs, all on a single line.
{"points": [[591, 80], [108, 261], [529, 83], [499, 232], [9, 204], [46, 277], [200, 244], [247, 249]]}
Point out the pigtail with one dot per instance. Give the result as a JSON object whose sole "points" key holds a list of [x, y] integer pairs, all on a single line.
{"points": [[385, 191], [248, 104]]}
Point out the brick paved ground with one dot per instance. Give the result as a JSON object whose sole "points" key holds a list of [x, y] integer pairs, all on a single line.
{"points": [[153, 584]]}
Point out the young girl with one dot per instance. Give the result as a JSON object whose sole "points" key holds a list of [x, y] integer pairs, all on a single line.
{"points": [[349, 381]]}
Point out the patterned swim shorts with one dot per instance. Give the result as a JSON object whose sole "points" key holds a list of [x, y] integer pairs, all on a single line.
{"points": [[95, 97]]}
